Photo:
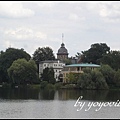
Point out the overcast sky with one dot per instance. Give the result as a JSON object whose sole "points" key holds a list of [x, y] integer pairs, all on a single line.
{"points": [[30, 25]]}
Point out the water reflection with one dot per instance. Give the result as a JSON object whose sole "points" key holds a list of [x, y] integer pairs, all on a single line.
{"points": [[19, 93], [87, 94], [62, 94], [46, 94]]}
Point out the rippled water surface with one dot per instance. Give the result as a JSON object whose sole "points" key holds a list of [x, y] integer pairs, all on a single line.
{"points": [[30, 103]]}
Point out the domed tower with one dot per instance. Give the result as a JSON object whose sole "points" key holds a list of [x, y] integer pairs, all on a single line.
{"points": [[62, 52]]}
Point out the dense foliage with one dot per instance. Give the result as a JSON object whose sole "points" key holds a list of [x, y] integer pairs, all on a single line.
{"points": [[7, 58], [44, 53], [48, 75], [23, 72], [100, 53], [101, 78], [96, 52], [112, 59], [108, 73], [16, 67]]}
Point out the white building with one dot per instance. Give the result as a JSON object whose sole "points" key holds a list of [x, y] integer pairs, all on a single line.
{"points": [[55, 64]]}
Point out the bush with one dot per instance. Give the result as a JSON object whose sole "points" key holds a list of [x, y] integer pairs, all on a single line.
{"points": [[117, 78], [70, 86], [92, 80], [49, 86], [72, 78], [108, 73], [86, 70], [43, 84], [6, 85], [85, 81], [34, 86], [58, 85], [99, 80]]}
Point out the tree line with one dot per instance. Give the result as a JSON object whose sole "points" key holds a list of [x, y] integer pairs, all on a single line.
{"points": [[17, 66], [100, 53]]}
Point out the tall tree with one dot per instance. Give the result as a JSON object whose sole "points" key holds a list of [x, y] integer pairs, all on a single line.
{"points": [[7, 58], [45, 53], [112, 59], [92, 79], [108, 73], [22, 72], [96, 52], [48, 75], [117, 78], [41, 54]]}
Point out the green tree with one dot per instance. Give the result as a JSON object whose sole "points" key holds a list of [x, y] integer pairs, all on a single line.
{"points": [[96, 52], [48, 75], [44, 53], [72, 78], [86, 70], [67, 61], [92, 79], [112, 59], [85, 81], [7, 58], [117, 78], [99, 80], [23, 72], [108, 74]]}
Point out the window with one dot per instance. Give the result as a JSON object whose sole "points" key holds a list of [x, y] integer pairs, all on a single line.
{"points": [[55, 64]]}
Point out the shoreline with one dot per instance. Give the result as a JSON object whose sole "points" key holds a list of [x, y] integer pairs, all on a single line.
{"points": [[49, 86]]}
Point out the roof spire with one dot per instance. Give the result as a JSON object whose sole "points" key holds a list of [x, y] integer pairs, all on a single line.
{"points": [[62, 37]]}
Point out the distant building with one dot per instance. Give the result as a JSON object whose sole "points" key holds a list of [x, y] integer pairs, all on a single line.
{"points": [[55, 64], [62, 52], [76, 68], [73, 60], [62, 55]]}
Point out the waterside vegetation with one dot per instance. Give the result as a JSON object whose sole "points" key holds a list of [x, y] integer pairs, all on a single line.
{"points": [[19, 69]]}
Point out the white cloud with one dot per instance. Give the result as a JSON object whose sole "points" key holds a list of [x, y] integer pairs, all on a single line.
{"points": [[14, 10], [23, 33], [83, 23], [7, 44], [40, 35], [108, 11], [73, 17], [46, 4]]}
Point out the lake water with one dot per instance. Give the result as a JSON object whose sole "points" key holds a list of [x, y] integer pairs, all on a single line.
{"points": [[31, 103]]}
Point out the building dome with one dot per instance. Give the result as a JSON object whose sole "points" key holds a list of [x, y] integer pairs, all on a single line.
{"points": [[62, 50]]}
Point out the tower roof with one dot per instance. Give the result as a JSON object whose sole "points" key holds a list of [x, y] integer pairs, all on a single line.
{"points": [[62, 50]]}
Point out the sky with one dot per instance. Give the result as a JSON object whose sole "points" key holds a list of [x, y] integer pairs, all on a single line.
{"points": [[33, 24]]}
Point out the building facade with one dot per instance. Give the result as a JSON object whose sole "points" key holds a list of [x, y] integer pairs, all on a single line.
{"points": [[76, 68], [55, 64]]}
